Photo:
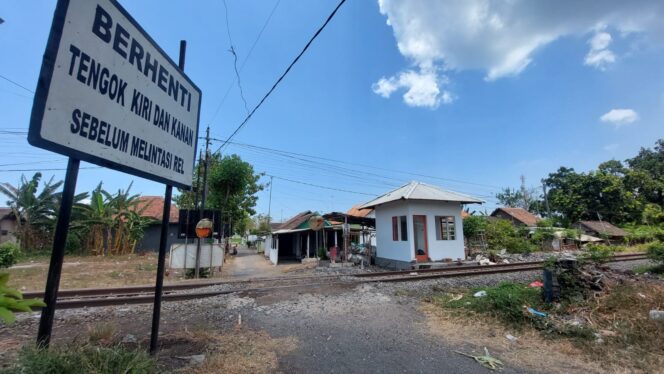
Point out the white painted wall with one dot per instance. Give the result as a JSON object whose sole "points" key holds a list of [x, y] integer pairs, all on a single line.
{"points": [[8, 225], [385, 246], [271, 249], [439, 249], [404, 251]]}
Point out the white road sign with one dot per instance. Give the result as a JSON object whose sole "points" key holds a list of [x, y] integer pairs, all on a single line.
{"points": [[107, 94]]}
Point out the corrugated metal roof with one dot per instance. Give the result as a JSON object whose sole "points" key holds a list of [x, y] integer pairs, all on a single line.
{"points": [[421, 191]]}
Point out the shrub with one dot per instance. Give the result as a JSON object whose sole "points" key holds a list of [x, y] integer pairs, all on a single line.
{"points": [[644, 233], [550, 262], [501, 234], [656, 252], [498, 233], [9, 253], [505, 301], [543, 235], [202, 273], [473, 226], [599, 253], [519, 245], [83, 359], [73, 244], [546, 222], [571, 234]]}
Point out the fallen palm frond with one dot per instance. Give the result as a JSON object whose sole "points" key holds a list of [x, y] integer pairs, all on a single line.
{"points": [[487, 360]]}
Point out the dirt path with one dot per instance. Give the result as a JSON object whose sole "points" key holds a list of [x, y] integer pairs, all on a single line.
{"points": [[248, 264]]}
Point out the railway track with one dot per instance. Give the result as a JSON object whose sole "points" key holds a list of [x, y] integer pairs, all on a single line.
{"points": [[89, 297]]}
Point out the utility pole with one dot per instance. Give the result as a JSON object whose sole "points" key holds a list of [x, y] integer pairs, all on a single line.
{"points": [[524, 193], [546, 199], [203, 197], [194, 207], [269, 206]]}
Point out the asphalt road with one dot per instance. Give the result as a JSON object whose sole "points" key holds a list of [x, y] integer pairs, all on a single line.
{"points": [[356, 330]]}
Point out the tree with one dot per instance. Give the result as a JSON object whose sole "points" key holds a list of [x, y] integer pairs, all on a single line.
{"points": [[98, 219], [113, 223], [647, 173], [35, 212], [564, 187], [511, 198], [520, 198], [232, 188], [613, 167], [597, 195], [652, 214], [260, 224]]}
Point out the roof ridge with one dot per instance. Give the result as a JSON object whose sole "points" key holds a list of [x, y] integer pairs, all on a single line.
{"points": [[413, 186]]}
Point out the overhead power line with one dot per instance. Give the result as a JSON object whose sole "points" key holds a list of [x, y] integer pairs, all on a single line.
{"points": [[35, 162], [319, 186], [278, 151], [232, 51], [17, 84], [53, 169], [274, 86], [244, 62]]}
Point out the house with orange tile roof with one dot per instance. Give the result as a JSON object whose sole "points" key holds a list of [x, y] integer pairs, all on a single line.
{"points": [[153, 207], [518, 216]]}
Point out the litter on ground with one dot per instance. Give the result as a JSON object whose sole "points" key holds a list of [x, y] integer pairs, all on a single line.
{"points": [[480, 293], [536, 284], [536, 312], [487, 360]]}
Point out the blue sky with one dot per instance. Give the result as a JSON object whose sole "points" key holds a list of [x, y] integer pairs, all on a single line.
{"points": [[517, 90]]}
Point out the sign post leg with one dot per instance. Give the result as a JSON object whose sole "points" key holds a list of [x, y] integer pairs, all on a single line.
{"points": [[158, 289], [58, 255]]}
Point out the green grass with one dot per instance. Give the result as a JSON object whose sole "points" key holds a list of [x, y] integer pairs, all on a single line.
{"points": [[116, 274], [651, 269], [505, 302], [37, 256], [147, 267], [82, 359]]}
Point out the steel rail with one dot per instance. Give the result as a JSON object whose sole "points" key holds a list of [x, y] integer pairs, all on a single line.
{"points": [[148, 298], [77, 298], [117, 291], [616, 258]]}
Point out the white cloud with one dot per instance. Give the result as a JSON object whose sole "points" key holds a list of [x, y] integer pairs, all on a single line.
{"points": [[384, 87], [501, 37], [599, 55], [620, 117], [422, 88]]}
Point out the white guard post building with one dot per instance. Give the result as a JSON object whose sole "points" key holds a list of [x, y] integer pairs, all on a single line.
{"points": [[418, 222]]}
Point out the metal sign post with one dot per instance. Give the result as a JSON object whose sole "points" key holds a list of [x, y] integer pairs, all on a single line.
{"points": [[109, 95], [163, 239], [58, 254]]}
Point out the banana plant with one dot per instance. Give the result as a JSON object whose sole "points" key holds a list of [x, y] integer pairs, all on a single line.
{"points": [[12, 301]]}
